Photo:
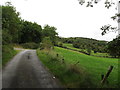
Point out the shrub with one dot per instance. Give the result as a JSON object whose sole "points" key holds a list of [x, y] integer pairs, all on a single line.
{"points": [[76, 45], [60, 44], [30, 45], [46, 44]]}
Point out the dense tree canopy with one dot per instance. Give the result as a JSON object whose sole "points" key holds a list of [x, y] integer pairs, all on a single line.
{"points": [[10, 24], [30, 32], [16, 30], [86, 43], [50, 31], [114, 47]]}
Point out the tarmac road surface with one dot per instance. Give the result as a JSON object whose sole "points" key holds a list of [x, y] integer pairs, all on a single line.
{"points": [[25, 70]]}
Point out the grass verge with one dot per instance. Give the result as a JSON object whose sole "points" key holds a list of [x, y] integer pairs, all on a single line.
{"points": [[69, 75], [7, 53]]}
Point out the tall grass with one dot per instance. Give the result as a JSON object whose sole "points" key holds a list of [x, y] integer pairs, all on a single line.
{"points": [[7, 53], [70, 75]]}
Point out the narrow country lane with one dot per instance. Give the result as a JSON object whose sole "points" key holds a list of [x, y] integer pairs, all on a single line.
{"points": [[25, 70]]}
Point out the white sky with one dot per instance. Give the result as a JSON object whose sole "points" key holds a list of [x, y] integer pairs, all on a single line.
{"points": [[68, 16]]}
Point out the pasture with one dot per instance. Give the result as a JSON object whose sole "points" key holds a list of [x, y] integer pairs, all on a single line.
{"points": [[90, 68]]}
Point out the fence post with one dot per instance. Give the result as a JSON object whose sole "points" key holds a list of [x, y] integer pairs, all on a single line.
{"points": [[102, 76], [107, 74], [57, 54], [63, 60]]}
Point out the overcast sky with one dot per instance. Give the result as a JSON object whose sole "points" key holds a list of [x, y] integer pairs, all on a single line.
{"points": [[68, 16]]}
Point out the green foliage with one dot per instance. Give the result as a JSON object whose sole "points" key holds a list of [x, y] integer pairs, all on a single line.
{"points": [[93, 53], [114, 47], [86, 43], [30, 32], [50, 31], [89, 51], [30, 45], [10, 23], [6, 37], [60, 44], [19, 31], [46, 43]]}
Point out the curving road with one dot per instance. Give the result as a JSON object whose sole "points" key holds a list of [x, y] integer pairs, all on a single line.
{"points": [[25, 70]]}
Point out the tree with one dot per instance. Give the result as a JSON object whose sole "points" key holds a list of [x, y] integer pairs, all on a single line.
{"points": [[46, 43], [108, 3], [10, 23], [50, 31], [89, 51], [114, 47], [30, 32], [90, 3]]}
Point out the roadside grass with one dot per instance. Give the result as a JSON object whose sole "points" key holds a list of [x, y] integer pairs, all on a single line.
{"points": [[7, 53], [95, 66], [69, 75]]}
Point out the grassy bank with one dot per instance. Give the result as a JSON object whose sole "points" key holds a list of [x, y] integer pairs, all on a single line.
{"points": [[87, 73], [8, 53], [69, 75]]}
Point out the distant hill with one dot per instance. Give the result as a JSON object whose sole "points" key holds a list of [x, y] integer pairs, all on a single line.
{"points": [[86, 43]]}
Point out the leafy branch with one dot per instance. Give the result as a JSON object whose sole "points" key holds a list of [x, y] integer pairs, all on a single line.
{"points": [[90, 3]]}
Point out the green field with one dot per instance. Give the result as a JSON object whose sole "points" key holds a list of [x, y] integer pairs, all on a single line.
{"points": [[92, 53], [92, 68], [70, 46]]}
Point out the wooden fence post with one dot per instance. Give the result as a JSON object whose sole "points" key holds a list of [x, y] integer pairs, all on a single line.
{"points": [[102, 76], [57, 54], [63, 60], [107, 74]]}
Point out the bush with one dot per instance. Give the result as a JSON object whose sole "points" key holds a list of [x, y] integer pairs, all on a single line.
{"points": [[76, 45], [30, 45], [46, 44]]}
